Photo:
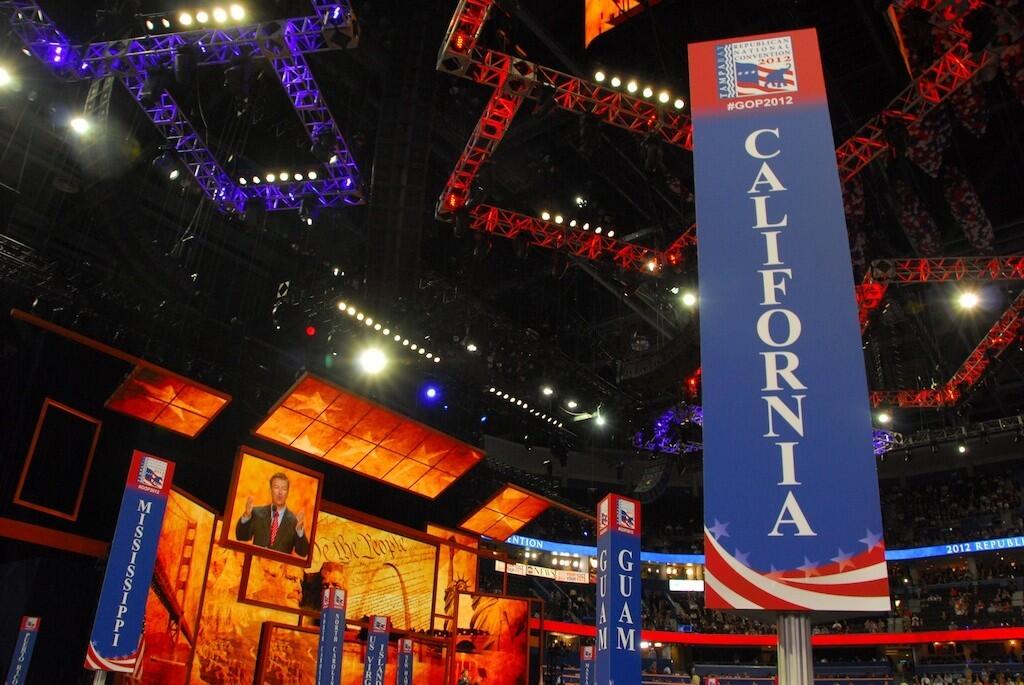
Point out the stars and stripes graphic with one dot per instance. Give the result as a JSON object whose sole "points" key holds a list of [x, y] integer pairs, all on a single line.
{"points": [[849, 581], [759, 67], [764, 79]]}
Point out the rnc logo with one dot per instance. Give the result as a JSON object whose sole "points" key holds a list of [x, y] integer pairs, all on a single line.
{"points": [[755, 67], [588, 653], [152, 473], [602, 516], [380, 624], [406, 646], [625, 517], [30, 623]]}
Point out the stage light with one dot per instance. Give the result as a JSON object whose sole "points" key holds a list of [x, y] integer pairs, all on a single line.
{"points": [[360, 316], [580, 201], [311, 175], [968, 299], [397, 337], [386, 331], [548, 391], [351, 311], [632, 86], [310, 330], [430, 355], [663, 97], [600, 420], [616, 81], [80, 125], [572, 404], [5, 77], [165, 22], [242, 181], [175, 173], [599, 76], [652, 265], [431, 392], [405, 342], [220, 15], [648, 91], [256, 180], [376, 326], [342, 306], [679, 104], [546, 216], [883, 417], [611, 234], [598, 230], [185, 19], [572, 223], [369, 321], [271, 178], [333, 159], [558, 218], [586, 226], [413, 346], [297, 177], [283, 176], [483, 419], [961, 448], [674, 290], [470, 347], [372, 360], [202, 17], [422, 350], [437, 360], [149, 25], [237, 12], [689, 299], [504, 396]]}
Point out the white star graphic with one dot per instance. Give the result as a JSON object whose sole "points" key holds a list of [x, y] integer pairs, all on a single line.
{"points": [[742, 557], [843, 559], [719, 530], [872, 540], [810, 568]]}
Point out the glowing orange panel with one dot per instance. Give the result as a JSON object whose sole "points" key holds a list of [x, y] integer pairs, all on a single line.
{"points": [[160, 397], [507, 512], [330, 423]]}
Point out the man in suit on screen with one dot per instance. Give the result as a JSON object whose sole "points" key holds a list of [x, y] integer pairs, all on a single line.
{"points": [[274, 526]]}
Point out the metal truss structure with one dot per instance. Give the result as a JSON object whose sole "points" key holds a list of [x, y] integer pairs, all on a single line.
{"points": [[978, 431], [514, 79], [283, 43]]}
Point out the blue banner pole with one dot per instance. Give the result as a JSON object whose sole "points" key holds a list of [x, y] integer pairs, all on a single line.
{"points": [[618, 591], [375, 666], [332, 636], [22, 658], [121, 611], [405, 658]]}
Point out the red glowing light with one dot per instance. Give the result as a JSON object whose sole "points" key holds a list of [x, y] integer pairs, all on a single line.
{"points": [[311, 331], [460, 41], [453, 200]]}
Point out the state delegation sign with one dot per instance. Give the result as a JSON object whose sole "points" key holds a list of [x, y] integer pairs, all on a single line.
{"points": [[792, 517]]}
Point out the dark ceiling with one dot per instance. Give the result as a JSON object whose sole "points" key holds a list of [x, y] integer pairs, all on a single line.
{"points": [[108, 246]]}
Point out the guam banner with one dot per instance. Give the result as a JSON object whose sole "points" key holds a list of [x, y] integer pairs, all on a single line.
{"points": [[618, 591], [587, 665], [376, 651], [332, 636], [791, 509], [18, 671], [117, 628], [404, 675]]}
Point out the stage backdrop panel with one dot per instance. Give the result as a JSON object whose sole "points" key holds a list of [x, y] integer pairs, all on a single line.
{"points": [[497, 651], [791, 510], [456, 572], [229, 632], [284, 661], [172, 608], [384, 573]]}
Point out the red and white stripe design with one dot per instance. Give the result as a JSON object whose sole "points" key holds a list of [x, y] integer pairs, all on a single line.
{"points": [[119, 665], [860, 583], [746, 88]]}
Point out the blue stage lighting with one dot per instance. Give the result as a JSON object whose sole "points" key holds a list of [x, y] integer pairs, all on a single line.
{"points": [[430, 393]]}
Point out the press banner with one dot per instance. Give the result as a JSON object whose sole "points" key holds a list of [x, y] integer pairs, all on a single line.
{"points": [[587, 665], [792, 517], [404, 670], [117, 628], [332, 636], [18, 671], [618, 591], [376, 651]]}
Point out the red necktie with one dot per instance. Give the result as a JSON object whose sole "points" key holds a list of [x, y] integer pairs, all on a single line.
{"points": [[273, 527]]}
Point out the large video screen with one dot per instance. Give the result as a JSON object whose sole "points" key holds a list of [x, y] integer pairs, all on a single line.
{"points": [[492, 645], [384, 573]]}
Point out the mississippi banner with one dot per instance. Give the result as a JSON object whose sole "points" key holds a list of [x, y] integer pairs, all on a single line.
{"points": [[117, 628], [404, 670], [587, 665], [376, 663], [332, 636], [791, 509], [18, 671], [618, 591]]}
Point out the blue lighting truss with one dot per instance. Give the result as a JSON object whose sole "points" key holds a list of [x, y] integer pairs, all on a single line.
{"points": [[284, 43]]}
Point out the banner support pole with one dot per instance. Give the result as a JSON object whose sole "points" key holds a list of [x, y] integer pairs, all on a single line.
{"points": [[795, 664]]}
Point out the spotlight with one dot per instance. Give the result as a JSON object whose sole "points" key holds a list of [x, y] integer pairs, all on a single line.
{"points": [[632, 86], [413, 347], [175, 173], [483, 419], [616, 81], [372, 361], [968, 300], [546, 216], [80, 125], [237, 12], [558, 218], [648, 92], [547, 390], [150, 25], [202, 17], [386, 331], [599, 76], [598, 230], [165, 22], [689, 299], [5, 77], [360, 316], [256, 180], [220, 15], [580, 201], [167, 165], [342, 306], [283, 176], [376, 326], [663, 97], [422, 350], [431, 393], [405, 342], [242, 181], [572, 224], [611, 234], [572, 404], [185, 19], [310, 330], [600, 420], [470, 347], [271, 178], [652, 265], [961, 448], [397, 337], [883, 417], [311, 175], [368, 321], [351, 311], [678, 104], [586, 226], [297, 177]]}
